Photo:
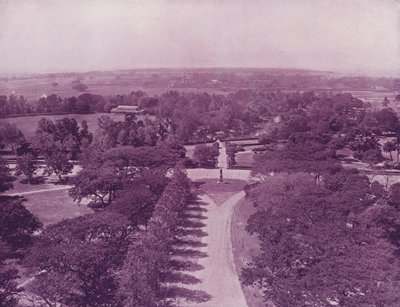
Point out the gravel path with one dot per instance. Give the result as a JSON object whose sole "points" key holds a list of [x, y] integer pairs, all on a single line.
{"points": [[65, 187], [204, 173], [222, 158]]}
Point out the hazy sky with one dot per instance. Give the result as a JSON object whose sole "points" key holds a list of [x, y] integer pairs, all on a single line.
{"points": [[361, 36]]}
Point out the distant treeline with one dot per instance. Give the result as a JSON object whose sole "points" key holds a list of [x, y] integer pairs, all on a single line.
{"points": [[198, 117], [14, 105]]}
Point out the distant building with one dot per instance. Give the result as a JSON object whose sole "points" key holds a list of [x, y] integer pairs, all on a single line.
{"points": [[125, 110]]}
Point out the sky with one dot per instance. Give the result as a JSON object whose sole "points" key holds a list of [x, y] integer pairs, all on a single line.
{"points": [[352, 36]]}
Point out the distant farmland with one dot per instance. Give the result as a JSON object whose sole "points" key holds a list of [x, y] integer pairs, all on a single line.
{"points": [[34, 88]]}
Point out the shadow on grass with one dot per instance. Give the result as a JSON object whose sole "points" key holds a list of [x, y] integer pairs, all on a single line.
{"points": [[200, 203], [194, 296], [185, 265], [192, 232], [34, 181], [189, 253], [198, 184], [196, 209], [63, 181], [191, 224], [190, 243], [182, 278], [193, 216]]}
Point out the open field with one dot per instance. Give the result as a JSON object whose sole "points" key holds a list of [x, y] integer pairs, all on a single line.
{"points": [[107, 85], [49, 200], [54, 206], [25, 188]]}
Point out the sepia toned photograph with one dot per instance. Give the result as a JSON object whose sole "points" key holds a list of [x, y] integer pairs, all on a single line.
{"points": [[213, 153]]}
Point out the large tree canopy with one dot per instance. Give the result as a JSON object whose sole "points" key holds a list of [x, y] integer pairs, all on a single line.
{"points": [[317, 245], [80, 257], [17, 224], [111, 171]]}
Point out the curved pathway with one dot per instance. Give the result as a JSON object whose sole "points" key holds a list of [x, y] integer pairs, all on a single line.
{"points": [[218, 277]]}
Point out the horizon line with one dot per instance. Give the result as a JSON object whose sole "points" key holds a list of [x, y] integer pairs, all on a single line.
{"points": [[326, 71]]}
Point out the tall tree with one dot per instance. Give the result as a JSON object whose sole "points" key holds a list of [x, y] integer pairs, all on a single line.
{"points": [[389, 147], [17, 224], [27, 165], [11, 136], [5, 176]]}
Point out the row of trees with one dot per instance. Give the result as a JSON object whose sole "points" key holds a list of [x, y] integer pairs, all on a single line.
{"points": [[13, 104], [84, 103], [200, 116], [115, 257], [148, 262], [56, 142], [64, 140], [17, 105]]}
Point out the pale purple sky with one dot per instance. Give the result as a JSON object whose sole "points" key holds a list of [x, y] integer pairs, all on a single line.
{"points": [[360, 36]]}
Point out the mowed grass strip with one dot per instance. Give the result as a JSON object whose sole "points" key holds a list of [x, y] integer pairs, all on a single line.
{"points": [[245, 247], [244, 158]]}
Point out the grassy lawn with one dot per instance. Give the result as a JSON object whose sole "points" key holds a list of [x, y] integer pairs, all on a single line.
{"points": [[229, 185], [42, 182], [220, 192], [54, 206], [27, 188], [245, 158], [245, 247]]}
